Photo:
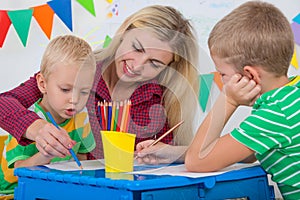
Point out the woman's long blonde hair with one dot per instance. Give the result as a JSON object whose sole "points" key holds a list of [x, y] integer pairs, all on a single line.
{"points": [[180, 98]]}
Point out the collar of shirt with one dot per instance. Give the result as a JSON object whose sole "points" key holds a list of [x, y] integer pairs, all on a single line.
{"points": [[144, 92]]}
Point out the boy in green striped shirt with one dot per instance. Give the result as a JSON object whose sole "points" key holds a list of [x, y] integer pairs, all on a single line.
{"points": [[252, 48]]}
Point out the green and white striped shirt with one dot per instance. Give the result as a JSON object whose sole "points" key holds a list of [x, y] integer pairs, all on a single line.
{"points": [[273, 132]]}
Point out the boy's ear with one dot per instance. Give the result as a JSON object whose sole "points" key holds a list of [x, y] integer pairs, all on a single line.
{"points": [[41, 82], [252, 73]]}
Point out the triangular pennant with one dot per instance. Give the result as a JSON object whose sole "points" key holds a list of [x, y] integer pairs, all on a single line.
{"points": [[218, 80], [106, 41], [294, 61], [63, 10], [88, 5], [297, 19], [296, 31], [44, 17], [5, 24], [205, 86], [21, 21]]}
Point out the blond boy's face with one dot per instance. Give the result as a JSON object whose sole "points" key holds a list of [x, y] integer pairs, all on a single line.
{"points": [[226, 70], [67, 89]]}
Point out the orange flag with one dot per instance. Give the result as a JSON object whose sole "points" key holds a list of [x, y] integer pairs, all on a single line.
{"points": [[218, 80], [44, 16]]}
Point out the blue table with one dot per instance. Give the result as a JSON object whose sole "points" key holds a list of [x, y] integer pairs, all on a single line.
{"points": [[43, 183]]}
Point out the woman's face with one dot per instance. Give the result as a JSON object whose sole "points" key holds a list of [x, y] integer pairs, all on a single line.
{"points": [[141, 56]]}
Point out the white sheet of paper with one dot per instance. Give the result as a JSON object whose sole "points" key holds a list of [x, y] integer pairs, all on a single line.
{"points": [[180, 170], [72, 165], [177, 170]]}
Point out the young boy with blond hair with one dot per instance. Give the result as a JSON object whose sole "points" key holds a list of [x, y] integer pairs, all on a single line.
{"points": [[65, 79], [253, 44]]}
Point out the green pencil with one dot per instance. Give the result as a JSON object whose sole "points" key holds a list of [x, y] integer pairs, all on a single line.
{"points": [[116, 116]]}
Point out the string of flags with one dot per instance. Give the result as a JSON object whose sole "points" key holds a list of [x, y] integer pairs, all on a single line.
{"points": [[296, 30], [43, 14]]}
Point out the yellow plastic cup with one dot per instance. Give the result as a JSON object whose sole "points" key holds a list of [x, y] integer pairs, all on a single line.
{"points": [[118, 150]]}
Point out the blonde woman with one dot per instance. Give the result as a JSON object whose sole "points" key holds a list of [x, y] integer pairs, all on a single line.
{"points": [[151, 60]]}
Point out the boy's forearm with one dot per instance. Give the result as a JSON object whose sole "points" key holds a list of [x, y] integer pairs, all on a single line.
{"points": [[36, 159], [210, 129]]}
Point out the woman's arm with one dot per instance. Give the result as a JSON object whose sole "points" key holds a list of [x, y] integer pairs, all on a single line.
{"points": [[26, 126], [14, 116]]}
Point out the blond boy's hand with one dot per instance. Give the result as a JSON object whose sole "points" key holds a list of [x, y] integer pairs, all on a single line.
{"points": [[240, 90]]}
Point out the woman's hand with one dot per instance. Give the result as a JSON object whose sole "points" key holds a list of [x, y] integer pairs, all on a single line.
{"points": [[50, 141], [159, 153]]}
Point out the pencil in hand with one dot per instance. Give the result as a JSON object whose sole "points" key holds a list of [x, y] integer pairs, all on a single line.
{"points": [[164, 135], [70, 150]]}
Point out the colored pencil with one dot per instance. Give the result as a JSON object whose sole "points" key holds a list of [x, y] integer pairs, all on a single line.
{"points": [[71, 150], [116, 116], [113, 113], [109, 116], [99, 111], [102, 116], [124, 116], [127, 117], [105, 113], [165, 134], [120, 116]]}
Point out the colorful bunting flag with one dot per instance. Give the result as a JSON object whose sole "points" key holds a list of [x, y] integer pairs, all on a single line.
{"points": [[5, 24], [218, 80], [294, 61], [106, 41], [21, 21], [204, 90], [44, 16], [296, 31], [297, 19], [63, 10], [88, 5]]}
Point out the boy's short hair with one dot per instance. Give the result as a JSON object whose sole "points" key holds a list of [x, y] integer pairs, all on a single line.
{"points": [[67, 49], [255, 34]]}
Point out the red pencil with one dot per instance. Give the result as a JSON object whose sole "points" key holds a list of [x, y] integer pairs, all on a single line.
{"points": [[102, 116]]}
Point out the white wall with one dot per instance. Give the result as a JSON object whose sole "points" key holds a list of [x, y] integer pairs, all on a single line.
{"points": [[17, 63]]}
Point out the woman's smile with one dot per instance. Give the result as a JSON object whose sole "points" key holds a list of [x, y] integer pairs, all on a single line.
{"points": [[127, 71]]}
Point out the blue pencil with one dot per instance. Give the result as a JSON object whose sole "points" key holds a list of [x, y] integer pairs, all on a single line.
{"points": [[71, 150], [109, 116]]}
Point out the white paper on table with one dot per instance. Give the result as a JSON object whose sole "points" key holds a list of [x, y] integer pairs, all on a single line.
{"points": [[180, 170], [72, 165]]}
